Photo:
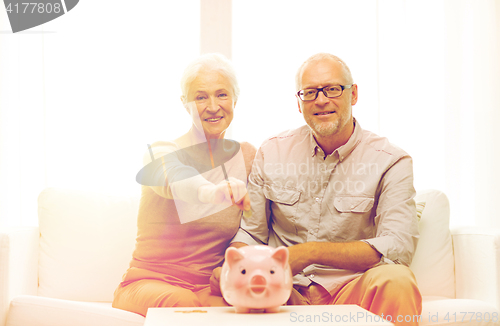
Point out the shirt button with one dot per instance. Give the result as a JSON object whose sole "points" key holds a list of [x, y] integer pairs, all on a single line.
{"points": [[317, 199], [311, 276]]}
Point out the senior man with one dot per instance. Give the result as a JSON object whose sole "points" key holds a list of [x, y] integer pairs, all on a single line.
{"points": [[340, 198]]}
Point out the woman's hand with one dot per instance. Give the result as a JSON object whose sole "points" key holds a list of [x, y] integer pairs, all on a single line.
{"points": [[226, 192], [215, 281], [216, 273]]}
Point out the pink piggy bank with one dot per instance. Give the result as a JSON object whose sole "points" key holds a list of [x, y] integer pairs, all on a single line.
{"points": [[256, 277]]}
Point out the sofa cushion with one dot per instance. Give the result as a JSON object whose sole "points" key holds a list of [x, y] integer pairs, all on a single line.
{"points": [[86, 243], [433, 263], [454, 312], [29, 310]]}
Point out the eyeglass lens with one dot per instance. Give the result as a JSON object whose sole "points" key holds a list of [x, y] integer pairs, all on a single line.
{"points": [[312, 93]]}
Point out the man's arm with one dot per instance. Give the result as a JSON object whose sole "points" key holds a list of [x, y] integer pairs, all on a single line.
{"points": [[396, 217], [356, 256], [396, 236]]}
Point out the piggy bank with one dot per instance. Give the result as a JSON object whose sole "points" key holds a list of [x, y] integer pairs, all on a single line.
{"points": [[256, 277]]}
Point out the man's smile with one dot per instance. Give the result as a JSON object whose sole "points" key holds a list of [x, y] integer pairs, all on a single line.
{"points": [[324, 113]]}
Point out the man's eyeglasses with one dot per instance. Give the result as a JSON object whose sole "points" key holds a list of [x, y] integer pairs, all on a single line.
{"points": [[310, 94]]}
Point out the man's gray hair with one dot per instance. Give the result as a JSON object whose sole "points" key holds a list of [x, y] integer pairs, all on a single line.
{"points": [[209, 62], [318, 57]]}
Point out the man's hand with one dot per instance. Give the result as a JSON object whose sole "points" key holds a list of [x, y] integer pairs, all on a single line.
{"points": [[215, 281]]}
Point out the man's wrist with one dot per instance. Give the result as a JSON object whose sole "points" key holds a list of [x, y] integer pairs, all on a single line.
{"points": [[304, 254]]}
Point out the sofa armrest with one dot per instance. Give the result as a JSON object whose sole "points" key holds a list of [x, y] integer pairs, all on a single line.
{"points": [[18, 265], [477, 263]]}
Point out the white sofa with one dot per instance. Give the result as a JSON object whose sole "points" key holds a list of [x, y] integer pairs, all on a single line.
{"points": [[64, 272]]}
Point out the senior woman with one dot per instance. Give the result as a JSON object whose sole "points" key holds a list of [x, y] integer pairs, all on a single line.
{"points": [[186, 223]]}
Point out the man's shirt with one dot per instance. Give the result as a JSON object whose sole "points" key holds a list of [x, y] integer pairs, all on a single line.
{"points": [[362, 191]]}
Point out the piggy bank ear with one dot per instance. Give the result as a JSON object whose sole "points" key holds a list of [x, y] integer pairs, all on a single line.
{"points": [[281, 255], [233, 255]]}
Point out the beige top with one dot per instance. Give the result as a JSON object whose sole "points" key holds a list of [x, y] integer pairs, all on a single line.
{"points": [[186, 251], [362, 191]]}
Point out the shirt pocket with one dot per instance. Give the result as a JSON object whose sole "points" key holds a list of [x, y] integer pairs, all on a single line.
{"points": [[354, 220], [353, 204], [284, 204]]}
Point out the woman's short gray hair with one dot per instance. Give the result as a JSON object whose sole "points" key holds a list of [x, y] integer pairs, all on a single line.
{"points": [[321, 56], [209, 62]]}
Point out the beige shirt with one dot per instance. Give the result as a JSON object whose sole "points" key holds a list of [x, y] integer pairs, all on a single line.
{"points": [[362, 191]]}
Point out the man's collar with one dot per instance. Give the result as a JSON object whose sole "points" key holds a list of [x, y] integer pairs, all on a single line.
{"points": [[351, 144], [314, 145], [344, 150]]}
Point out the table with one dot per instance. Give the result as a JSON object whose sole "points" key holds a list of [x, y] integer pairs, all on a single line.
{"points": [[288, 315]]}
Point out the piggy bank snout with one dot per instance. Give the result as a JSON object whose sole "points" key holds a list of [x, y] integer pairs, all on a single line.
{"points": [[258, 280], [258, 284]]}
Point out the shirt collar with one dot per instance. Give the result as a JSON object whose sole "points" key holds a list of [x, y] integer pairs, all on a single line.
{"points": [[314, 145], [344, 150], [352, 143]]}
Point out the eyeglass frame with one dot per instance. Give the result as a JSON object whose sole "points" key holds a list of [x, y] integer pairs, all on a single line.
{"points": [[322, 89]]}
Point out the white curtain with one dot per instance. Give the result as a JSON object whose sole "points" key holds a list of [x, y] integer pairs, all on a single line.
{"points": [[22, 124], [83, 95], [428, 76], [439, 81]]}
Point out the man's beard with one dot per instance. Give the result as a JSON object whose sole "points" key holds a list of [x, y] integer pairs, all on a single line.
{"points": [[325, 129]]}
